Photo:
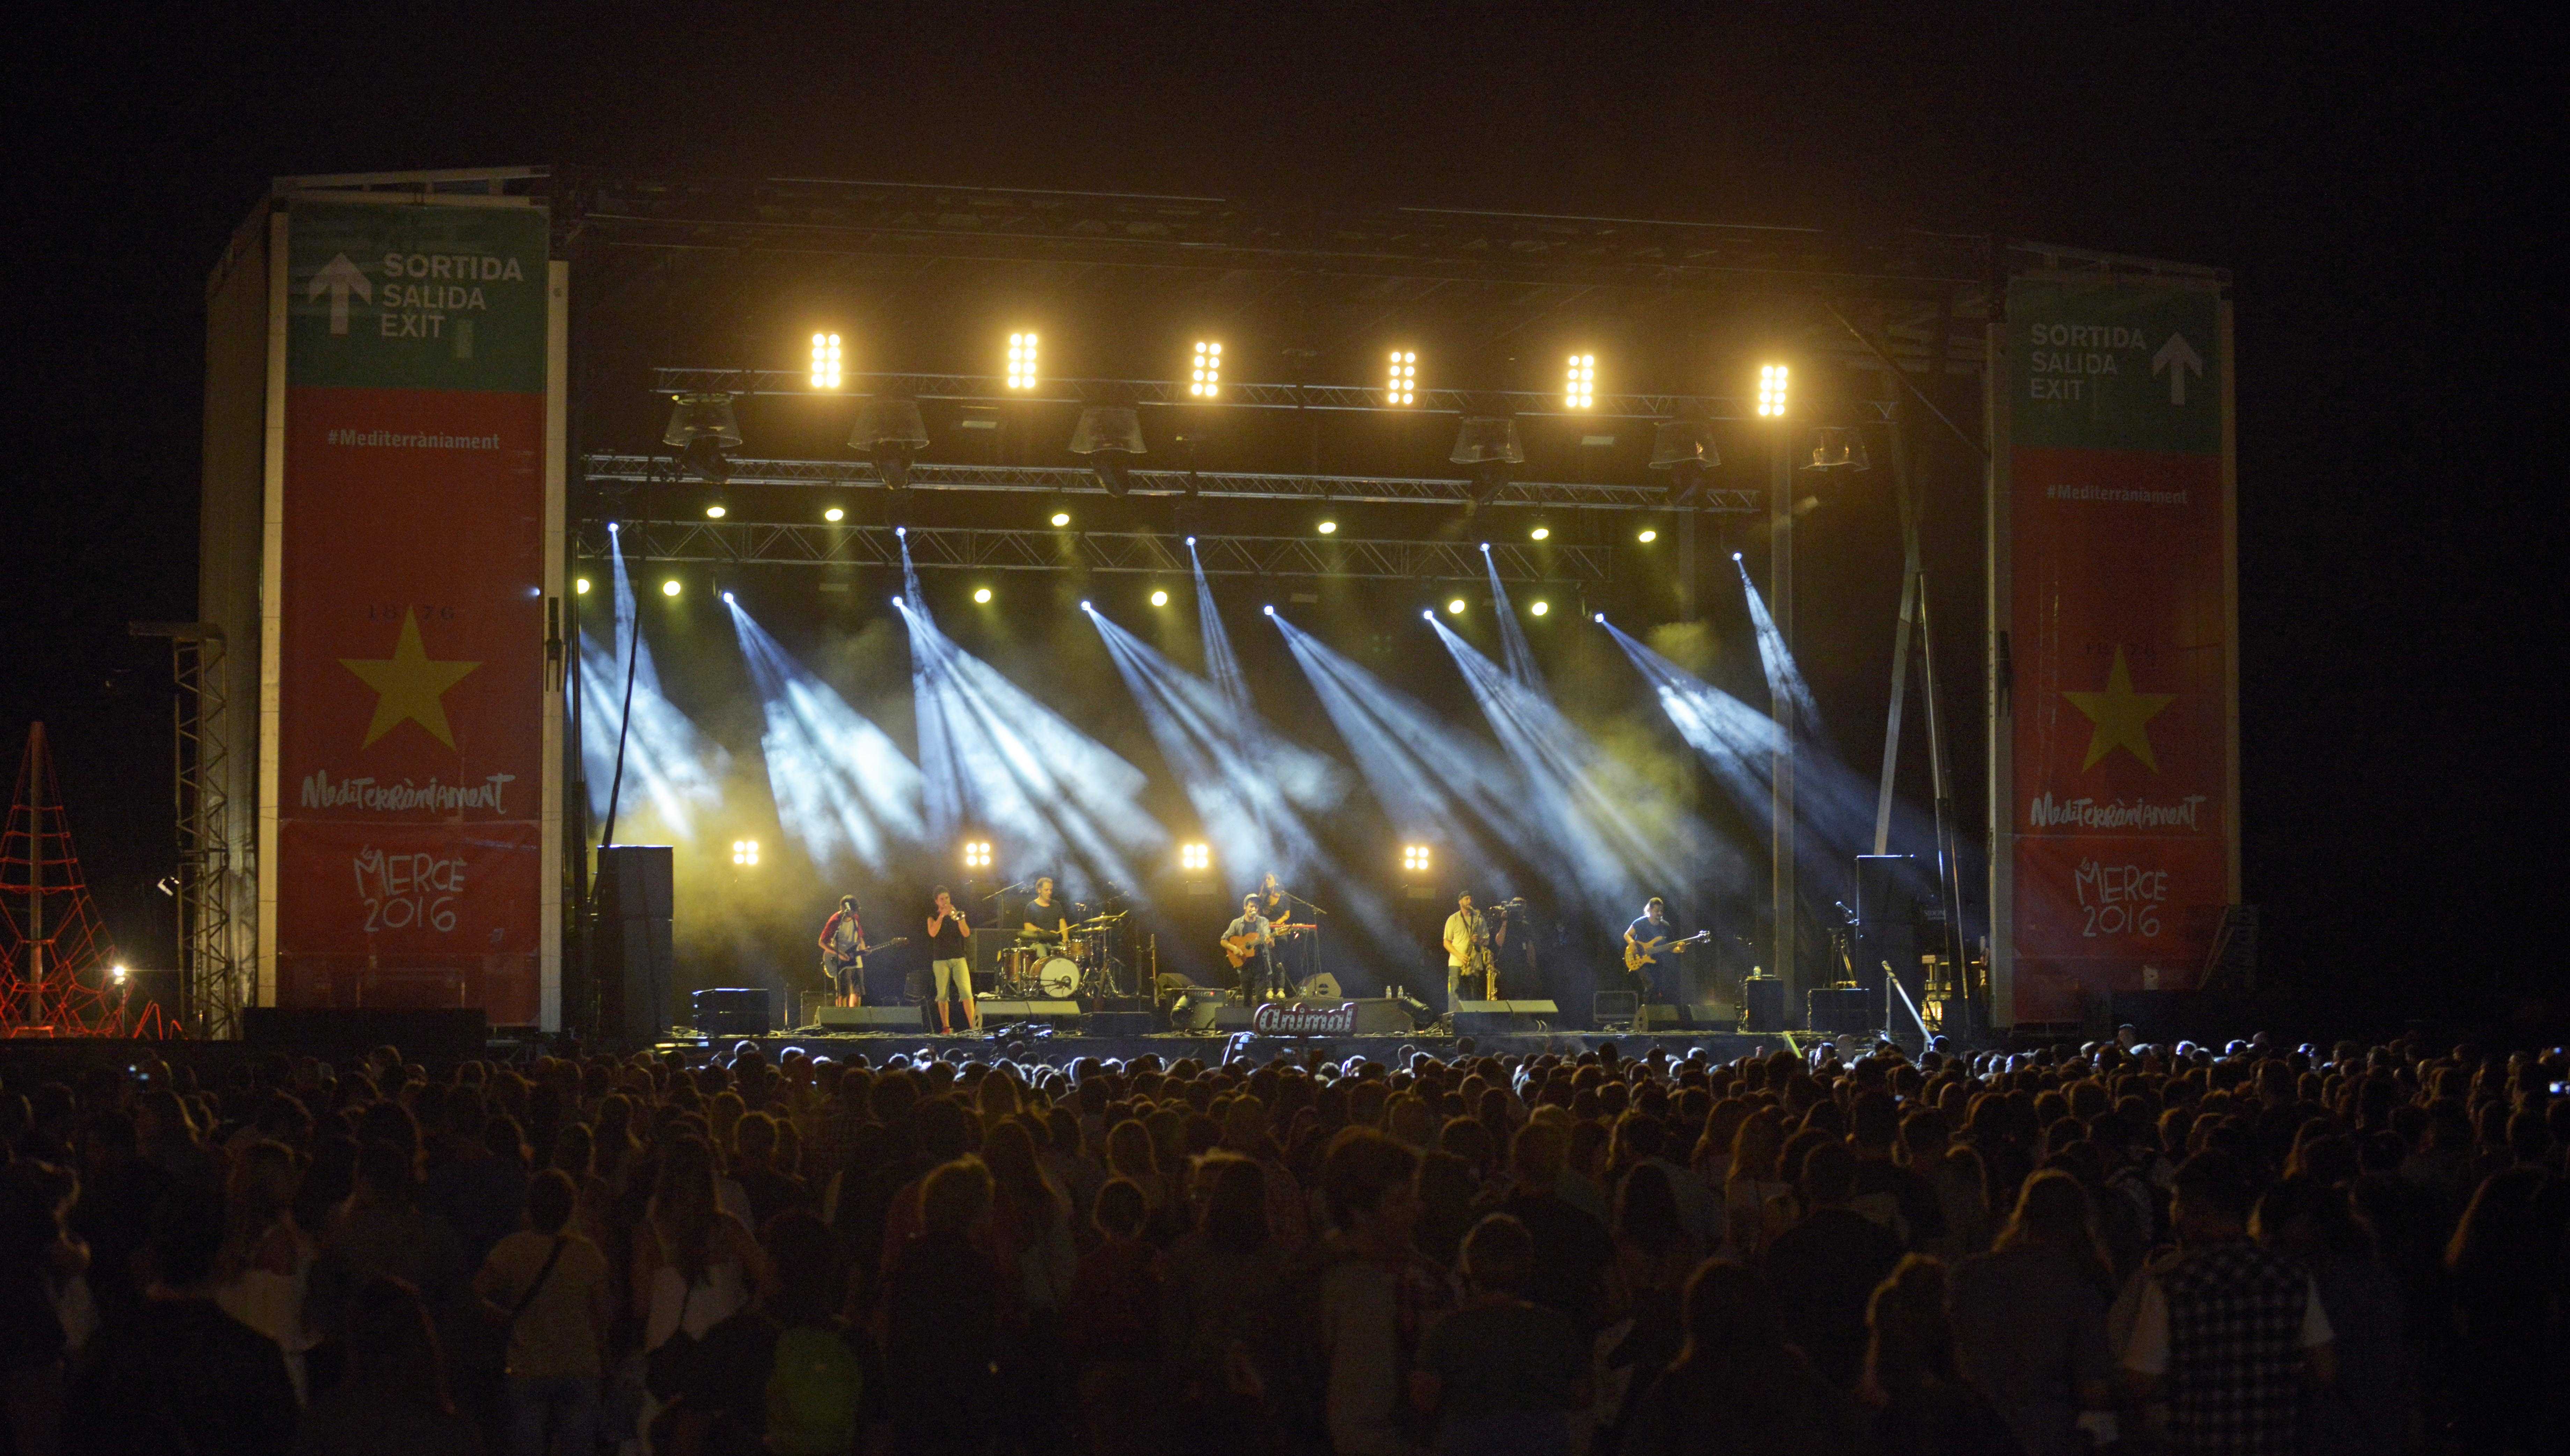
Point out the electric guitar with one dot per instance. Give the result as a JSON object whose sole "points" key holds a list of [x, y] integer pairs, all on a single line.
{"points": [[1639, 953], [1244, 948], [832, 963]]}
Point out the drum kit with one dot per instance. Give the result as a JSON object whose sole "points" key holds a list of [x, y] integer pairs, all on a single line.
{"points": [[1059, 967]]}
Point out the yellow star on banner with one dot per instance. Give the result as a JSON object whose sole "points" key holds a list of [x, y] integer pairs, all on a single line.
{"points": [[2120, 715], [409, 686]]}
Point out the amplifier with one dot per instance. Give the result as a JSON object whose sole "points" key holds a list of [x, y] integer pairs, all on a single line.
{"points": [[731, 1010], [870, 1018], [1838, 1010], [1762, 1003]]}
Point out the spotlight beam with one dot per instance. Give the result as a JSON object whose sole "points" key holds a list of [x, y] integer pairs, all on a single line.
{"points": [[677, 768], [1786, 689], [843, 790]]}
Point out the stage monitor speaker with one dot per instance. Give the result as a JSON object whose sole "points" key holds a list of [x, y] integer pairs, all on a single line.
{"points": [[731, 1012], [1032, 1011], [1615, 1008], [1503, 1019], [632, 956], [1762, 1003], [869, 1018], [441, 1036], [1839, 1010], [1665, 1016]]}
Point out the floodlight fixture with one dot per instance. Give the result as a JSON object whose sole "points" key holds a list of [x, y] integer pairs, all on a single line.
{"points": [[1060, 518], [717, 512], [614, 529], [1772, 380], [1191, 542], [1021, 360], [981, 595], [826, 361], [670, 587], [1401, 377], [744, 853], [1270, 609], [1455, 607], [1206, 382], [118, 972], [1195, 855], [580, 586], [1414, 859], [1599, 617], [1539, 607], [704, 430], [1084, 606], [1735, 556], [1428, 613], [1835, 447], [1580, 382], [1647, 536], [726, 599], [1541, 532], [1110, 436], [1328, 528], [977, 853], [834, 515], [1159, 598]]}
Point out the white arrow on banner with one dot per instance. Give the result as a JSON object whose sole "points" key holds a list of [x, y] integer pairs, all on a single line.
{"points": [[2175, 359], [343, 277]]}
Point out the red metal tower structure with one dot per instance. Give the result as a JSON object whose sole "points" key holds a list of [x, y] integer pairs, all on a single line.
{"points": [[54, 952]]}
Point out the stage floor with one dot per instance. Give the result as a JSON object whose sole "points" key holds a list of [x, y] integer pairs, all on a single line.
{"points": [[1061, 1048]]}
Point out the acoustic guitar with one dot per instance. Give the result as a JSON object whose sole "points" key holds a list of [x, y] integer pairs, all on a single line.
{"points": [[1244, 948]]}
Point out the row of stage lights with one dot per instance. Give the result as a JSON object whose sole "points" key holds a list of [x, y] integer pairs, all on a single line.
{"points": [[983, 596], [1195, 857], [1204, 373]]}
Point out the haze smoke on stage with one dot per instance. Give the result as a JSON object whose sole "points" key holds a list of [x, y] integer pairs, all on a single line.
{"points": [[1610, 835], [676, 769], [843, 790], [1223, 667], [1428, 779], [998, 760], [1512, 642], [1787, 692]]}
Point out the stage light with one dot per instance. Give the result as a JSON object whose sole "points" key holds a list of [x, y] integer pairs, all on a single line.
{"points": [[715, 512], [1021, 361], [614, 529], [1455, 607], [118, 973], [1771, 390], [890, 435], [580, 586], [1647, 536], [1485, 548], [902, 530], [1084, 606], [896, 601], [1270, 610], [1195, 857], [1541, 532], [825, 361], [1579, 383], [1414, 859], [1060, 518], [1401, 380], [670, 587], [1687, 450], [981, 594], [703, 429], [1329, 527], [834, 515], [1191, 542], [1110, 436], [744, 853], [1428, 613], [1735, 556], [977, 853], [1838, 448], [726, 599], [1489, 447], [1159, 598], [1538, 608], [1599, 618], [1208, 371]]}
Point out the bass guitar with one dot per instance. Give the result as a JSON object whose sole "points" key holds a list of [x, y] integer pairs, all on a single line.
{"points": [[1639, 953]]}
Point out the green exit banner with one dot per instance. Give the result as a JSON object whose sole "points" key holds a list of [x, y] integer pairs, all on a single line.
{"points": [[2114, 366], [417, 297]]}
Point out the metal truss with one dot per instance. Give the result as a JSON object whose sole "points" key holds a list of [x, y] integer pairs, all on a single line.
{"points": [[212, 985], [1229, 484], [770, 543], [1348, 397]]}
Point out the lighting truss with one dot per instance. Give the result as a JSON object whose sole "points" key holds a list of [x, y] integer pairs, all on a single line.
{"points": [[992, 388], [1237, 484], [775, 543]]}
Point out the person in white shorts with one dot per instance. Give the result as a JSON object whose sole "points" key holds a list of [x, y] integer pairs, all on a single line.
{"points": [[949, 950]]}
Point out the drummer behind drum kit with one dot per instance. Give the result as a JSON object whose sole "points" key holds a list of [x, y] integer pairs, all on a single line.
{"points": [[1059, 967]]}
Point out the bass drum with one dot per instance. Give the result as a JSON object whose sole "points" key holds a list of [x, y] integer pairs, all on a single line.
{"points": [[1058, 980]]}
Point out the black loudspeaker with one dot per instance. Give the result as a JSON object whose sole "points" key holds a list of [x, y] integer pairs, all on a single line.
{"points": [[1662, 1016], [1762, 1003], [430, 1037], [633, 957], [1838, 1010], [731, 1012], [1503, 1019]]}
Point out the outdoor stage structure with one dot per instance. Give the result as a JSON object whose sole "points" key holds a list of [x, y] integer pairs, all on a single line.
{"points": [[808, 527]]}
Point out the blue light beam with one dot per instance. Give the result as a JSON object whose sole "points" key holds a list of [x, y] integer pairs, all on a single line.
{"points": [[843, 790]]}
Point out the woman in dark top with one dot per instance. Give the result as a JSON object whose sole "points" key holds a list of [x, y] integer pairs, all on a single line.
{"points": [[938, 1319], [1736, 1385], [1920, 1403]]}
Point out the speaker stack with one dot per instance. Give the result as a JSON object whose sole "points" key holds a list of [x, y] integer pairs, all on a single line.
{"points": [[632, 951]]}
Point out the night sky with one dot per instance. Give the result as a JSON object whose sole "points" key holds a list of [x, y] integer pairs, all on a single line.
{"points": [[2376, 191]]}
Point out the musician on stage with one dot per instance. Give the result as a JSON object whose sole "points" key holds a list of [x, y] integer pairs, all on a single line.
{"points": [[1045, 918], [950, 965], [1259, 974], [843, 953], [1652, 924], [1273, 902], [1470, 946]]}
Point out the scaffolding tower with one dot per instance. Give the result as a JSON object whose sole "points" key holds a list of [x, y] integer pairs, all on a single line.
{"points": [[212, 991]]}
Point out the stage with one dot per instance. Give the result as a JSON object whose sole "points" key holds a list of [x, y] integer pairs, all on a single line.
{"points": [[1050, 1048]]}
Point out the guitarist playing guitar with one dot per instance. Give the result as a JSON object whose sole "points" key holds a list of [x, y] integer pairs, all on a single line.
{"points": [[843, 953], [1650, 938]]}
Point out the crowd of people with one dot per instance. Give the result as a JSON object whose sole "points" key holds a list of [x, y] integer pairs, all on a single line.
{"points": [[2112, 1246]]}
